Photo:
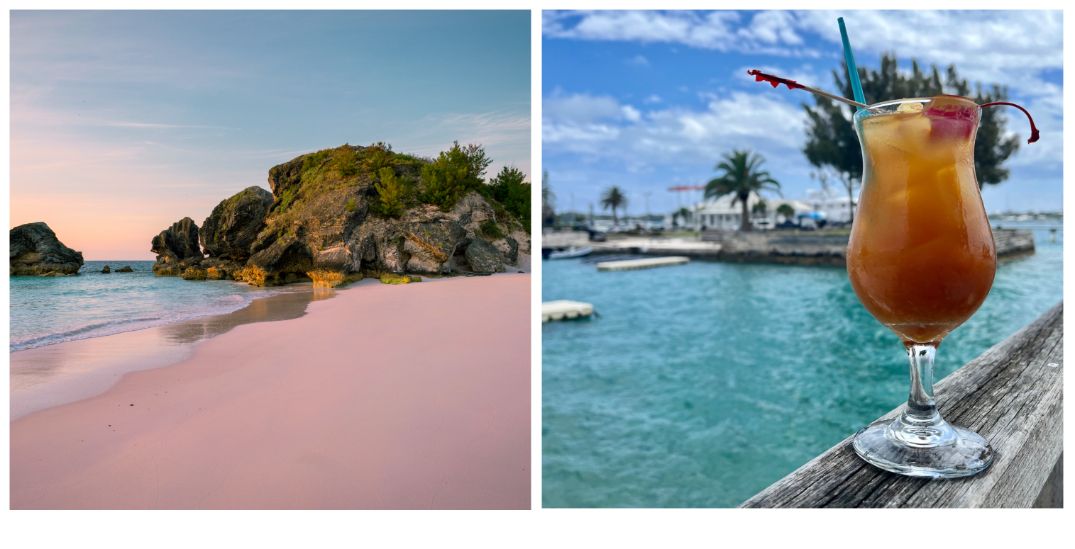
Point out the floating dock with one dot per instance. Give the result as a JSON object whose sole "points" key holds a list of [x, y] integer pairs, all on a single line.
{"points": [[644, 263], [565, 310]]}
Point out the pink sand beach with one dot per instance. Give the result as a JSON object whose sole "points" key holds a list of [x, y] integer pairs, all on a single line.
{"points": [[387, 397]]}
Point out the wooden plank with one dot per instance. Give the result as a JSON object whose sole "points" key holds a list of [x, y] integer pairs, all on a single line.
{"points": [[1012, 395], [565, 310], [646, 263]]}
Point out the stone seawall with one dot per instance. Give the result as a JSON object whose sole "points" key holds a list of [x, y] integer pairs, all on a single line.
{"points": [[783, 247]]}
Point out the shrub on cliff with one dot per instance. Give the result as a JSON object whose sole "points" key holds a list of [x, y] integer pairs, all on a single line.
{"points": [[512, 191], [454, 173], [392, 193]]}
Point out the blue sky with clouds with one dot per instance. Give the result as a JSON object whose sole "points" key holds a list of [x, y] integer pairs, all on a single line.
{"points": [[123, 122], [646, 100]]}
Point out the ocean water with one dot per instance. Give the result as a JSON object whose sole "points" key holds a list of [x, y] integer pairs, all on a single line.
{"points": [[47, 310], [700, 385]]}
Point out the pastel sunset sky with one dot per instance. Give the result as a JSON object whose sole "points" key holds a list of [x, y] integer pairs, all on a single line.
{"points": [[125, 122], [650, 99]]}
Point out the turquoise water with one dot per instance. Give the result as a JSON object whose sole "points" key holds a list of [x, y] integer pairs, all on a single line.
{"points": [[47, 310], [700, 385]]}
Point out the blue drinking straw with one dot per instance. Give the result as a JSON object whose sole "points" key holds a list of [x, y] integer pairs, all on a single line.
{"points": [[849, 58]]}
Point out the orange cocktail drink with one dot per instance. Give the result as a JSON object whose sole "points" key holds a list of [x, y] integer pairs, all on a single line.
{"points": [[921, 256]]}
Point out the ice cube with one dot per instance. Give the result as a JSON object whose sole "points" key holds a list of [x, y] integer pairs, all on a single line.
{"points": [[910, 107]]}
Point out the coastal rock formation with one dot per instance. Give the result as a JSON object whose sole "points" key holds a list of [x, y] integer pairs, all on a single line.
{"points": [[235, 223], [125, 269], [106, 270], [339, 214], [176, 248], [35, 251]]}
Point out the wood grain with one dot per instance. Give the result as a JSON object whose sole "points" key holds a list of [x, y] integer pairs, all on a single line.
{"points": [[1012, 395]]}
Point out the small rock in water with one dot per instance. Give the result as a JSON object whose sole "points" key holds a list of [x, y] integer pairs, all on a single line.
{"points": [[106, 270], [125, 269]]}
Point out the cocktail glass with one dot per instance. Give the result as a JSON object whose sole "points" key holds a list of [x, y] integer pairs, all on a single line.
{"points": [[921, 259]]}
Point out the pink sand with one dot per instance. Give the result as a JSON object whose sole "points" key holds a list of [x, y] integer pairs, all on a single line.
{"points": [[412, 396]]}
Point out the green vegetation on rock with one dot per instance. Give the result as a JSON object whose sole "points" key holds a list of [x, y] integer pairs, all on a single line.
{"points": [[511, 190], [489, 229], [391, 193], [454, 173]]}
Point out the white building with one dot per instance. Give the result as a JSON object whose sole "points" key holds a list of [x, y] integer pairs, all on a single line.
{"points": [[833, 203], [720, 213]]}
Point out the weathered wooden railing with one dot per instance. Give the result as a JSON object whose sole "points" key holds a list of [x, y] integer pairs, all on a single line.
{"points": [[1012, 395]]}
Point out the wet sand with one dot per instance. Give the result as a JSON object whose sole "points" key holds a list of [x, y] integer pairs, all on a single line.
{"points": [[412, 396], [66, 372]]}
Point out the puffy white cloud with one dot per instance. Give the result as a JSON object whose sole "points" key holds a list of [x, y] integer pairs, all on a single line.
{"points": [[1004, 47], [726, 122], [579, 107], [718, 30]]}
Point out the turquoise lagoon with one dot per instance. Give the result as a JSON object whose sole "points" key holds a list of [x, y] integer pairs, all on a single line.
{"points": [[700, 385]]}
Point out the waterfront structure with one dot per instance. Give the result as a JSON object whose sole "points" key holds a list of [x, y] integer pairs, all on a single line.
{"points": [[721, 213], [832, 203]]}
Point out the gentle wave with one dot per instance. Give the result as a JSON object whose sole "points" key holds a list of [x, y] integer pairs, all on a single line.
{"points": [[120, 326], [46, 311]]}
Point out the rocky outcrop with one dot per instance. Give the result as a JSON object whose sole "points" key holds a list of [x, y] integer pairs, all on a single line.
{"points": [[484, 258], [125, 269], [35, 251], [106, 270], [234, 225], [177, 248], [324, 221]]}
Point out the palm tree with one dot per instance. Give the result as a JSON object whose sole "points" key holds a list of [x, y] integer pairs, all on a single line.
{"points": [[741, 176], [760, 207], [613, 199], [786, 210]]}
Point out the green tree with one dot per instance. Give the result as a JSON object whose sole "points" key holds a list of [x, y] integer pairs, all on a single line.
{"points": [[741, 176], [378, 155], [832, 143], [511, 190], [452, 174], [786, 211], [761, 207], [548, 202], [684, 214], [614, 199], [390, 193]]}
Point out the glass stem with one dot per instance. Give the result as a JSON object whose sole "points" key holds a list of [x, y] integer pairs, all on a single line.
{"points": [[920, 403], [920, 425]]}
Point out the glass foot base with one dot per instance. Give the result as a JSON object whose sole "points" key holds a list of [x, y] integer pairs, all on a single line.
{"points": [[941, 451]]}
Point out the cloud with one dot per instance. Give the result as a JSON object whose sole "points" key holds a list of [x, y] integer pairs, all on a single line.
{"points": [[580, 107], [625, 134], [630, 113], [1010, 47], [638, 61], [766, 32]]}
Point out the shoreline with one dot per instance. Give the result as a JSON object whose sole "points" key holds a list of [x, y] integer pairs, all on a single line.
{"points": [[67, 371], [338, 408], [112, 328]]}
